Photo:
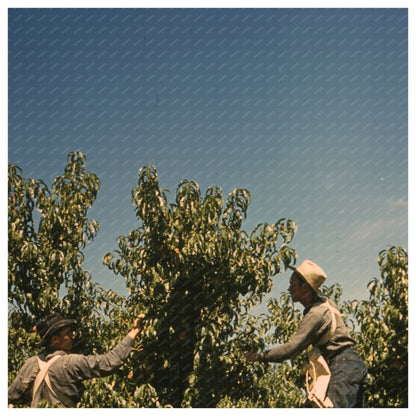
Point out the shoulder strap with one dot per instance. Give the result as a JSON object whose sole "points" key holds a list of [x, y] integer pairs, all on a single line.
{"points": [[317, 368], [331, 331], [44, 367]]}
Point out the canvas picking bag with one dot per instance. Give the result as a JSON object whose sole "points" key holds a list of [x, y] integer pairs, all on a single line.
{"points": [[316, 369]]}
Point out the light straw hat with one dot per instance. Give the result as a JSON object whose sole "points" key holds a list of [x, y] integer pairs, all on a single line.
{"points": [[311, 273]]}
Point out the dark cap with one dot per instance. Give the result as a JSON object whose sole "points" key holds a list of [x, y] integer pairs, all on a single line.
{"points": [[50, 325]]}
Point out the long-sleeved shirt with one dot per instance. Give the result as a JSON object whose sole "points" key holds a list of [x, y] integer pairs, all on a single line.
{"points": [[315, 324], [67, 373]]}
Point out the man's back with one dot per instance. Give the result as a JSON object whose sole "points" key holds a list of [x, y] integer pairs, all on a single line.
{"points": [[66, 374]]}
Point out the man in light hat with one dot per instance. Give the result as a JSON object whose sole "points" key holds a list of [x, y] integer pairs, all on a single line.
{"points": [[57, 375], [322, 327]]}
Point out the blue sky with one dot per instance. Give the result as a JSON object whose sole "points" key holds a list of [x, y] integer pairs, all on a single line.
{"points": [[306, 108]]}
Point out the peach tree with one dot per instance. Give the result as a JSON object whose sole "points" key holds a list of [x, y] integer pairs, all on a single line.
{"points": [[196, 274], [382, 330], [47, 231]]}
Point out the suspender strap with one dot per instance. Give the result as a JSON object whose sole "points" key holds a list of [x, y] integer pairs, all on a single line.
{"points": [[317, 371], [328, 335], [44, 367], [43, 375]]}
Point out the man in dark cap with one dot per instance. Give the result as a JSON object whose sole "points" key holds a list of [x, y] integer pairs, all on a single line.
{"points": [[57, 375], [336, 373]]}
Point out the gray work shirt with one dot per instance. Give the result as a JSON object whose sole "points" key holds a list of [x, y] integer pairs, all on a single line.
{"points": [[67, 373], [315, 324]]}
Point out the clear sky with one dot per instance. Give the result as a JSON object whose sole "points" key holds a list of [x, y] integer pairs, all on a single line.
{"points": [[306, 108]]}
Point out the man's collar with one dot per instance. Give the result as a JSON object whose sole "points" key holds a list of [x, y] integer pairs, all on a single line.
{"points": [[50, 352], [318, 298]]}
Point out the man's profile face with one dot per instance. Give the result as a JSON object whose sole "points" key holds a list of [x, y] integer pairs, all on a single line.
{"points": [[63, 339], [297, 288]]}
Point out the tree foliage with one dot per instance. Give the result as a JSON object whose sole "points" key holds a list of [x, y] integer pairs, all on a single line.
{"points": [[198, 276], [192, 270], [48, 228], [382, 333]]}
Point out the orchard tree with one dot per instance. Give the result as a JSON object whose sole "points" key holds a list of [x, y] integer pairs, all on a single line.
{"points": [[48, 228], [196, 274], [382, 333], [272, 385]]}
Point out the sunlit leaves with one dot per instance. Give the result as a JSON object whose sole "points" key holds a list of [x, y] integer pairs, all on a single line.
{"points": [[195, 272], [47, 230], [197, 275], [382, 330]]}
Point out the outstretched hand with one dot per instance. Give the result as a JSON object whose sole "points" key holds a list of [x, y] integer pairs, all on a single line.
{"points": [[252, 356], [136, 326], [138, 320]]}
